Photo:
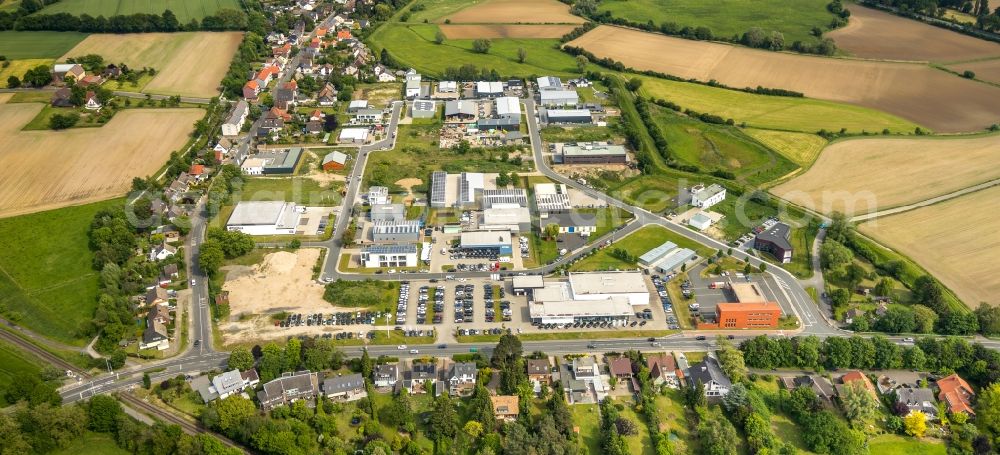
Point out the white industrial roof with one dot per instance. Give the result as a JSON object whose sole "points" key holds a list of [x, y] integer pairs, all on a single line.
{"points": [[358, 104], [485, 238], [527, 281], [489, 87], [607, 283], [657, 253], [613, 306], [567, 113], [674, 259], [264, 213], [508, 105], [506, 215], [559, 95], [447, 86], [549, 188], [354, 134], [336, 157]]}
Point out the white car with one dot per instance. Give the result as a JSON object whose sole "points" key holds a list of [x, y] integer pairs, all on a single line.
{"points": [[414, 351], [193, 282], [908, 340], [401, 347]]}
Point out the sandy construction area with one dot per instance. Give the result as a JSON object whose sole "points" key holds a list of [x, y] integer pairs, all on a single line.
{"points": [[473, 31], [516, 12], [871, 33], [42, 170], [938, 100], [957, 241], [862, 175], [188, 64]]}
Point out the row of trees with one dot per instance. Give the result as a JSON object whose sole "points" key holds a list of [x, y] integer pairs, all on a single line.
{"points": [[224, 19]]}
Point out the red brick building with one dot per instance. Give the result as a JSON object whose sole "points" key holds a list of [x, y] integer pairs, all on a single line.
{"points": [[762, 315]]}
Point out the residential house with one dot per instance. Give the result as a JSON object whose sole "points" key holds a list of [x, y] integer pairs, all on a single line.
{"points": [[327, 96], [156, 296], [709, 373], [343, 34], [956, 394], [820, 386], [313, 127], [282, 51], [62, 71], [384, 74], [198, 172], [234, 123], [663, 369], [155, 336], [91, 102], [334, 161], [301, 385], [858, 379], [621, 369], [271, 124], [348, 387], [462, 378], [917, 399], [225, 385], [159, 313], [419, 375], [367, 116], [385, 375], [506, 408], [168, 273], [89, 80], [413, 87], [539, 371], [286, 96], [585, 369], [161, 252], [251, 90], [281, 113], [112, 71], [222, 148], [61, 98], [316, 114]]}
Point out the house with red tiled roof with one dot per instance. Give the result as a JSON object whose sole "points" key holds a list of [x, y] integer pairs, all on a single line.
{"points": [[251, 89], [856, 377], [956, 394], [282, 51], [316, 115], [91, 102], [321, 32], [266, 74], [663, 368], [343, 34], [90, 79], [281, 113]]}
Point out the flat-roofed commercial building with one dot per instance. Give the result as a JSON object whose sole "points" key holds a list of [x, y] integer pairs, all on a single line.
{"points": [[510, 217], [469, 184], [439, 188], [504, 196], [388, 212], [604, 285], [559, 98], [405, 231], [375, 256], [487, 240], [654, 255], [552, 197], [751, 310], [557, 116], [555, 303], [264, 218], [582, 223], [508, 105], [593, 153], [707, 196], [666, 258]]}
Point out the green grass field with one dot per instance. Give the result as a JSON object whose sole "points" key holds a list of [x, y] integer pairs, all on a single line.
{"points": [[14, 364], [801, 148], [19, 67], [726, 148], [184, 9], [586, 133], [637, 243], [588, 419], [19, 45], [652, 192], [90, 443], [413, 46], [794, 19], [897, 445], [46, 279], [300, 190], [774, 112], [436, 10]]}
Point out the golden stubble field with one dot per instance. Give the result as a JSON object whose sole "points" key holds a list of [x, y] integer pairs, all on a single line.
{"points": [[957, 241], [187, 63], [43, 170], [938, 100], [864, 175], [476, 31], [515, 12], [875, 34]]}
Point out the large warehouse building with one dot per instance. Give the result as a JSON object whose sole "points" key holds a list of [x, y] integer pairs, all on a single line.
{"points": [[666, 258], [593, 153], [265, 218], [586, 297], [487, 240], [601, 286]]}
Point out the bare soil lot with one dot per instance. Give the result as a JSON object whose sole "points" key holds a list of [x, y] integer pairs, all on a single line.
{"points": [[473, 31], [871, 33], [187, 64], [863, 175], [960, 254], [516, 12], [917, 92], [987, 70], [42, 170]]}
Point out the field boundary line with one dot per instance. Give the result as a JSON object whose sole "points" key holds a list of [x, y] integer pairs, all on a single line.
{"points": [[12, 280]]}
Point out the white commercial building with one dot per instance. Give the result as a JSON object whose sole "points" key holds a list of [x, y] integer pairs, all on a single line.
{"points": [[489, 89], [560, 98], [512, 217], [552, 197], [706, 197], [412, 84], [504, 196], [604, 285], [555, 303], [377, 256], [666, 257], [253, 166], [357, 105], [700, 221], [469, 184], [447, 86], [265, 218], [549, 83], [353, 135], [378, 195], [508, 105]]}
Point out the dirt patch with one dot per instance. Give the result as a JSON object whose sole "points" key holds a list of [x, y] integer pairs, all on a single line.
{"points": [[43, 170], [5, 97], [917, 92], [516, 12], [957, 241], [187, 64], [471, 31], [874, 174], [408, 184], [871, 33]]}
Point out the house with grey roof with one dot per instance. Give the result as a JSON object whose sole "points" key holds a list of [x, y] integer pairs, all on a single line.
{"points": [[462, 378], [290, 387], [347, 387], [385, 375], [918, 399], [419, 375], [222, 386], [709, 373]]}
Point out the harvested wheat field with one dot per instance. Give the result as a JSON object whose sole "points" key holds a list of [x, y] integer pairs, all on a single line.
{"points": [[917, 92], [5, 97], [43, 170], [871, 33], [475, 31], [187, 64], [515, 12], [987, 70], [957, 241], [863, 175]]}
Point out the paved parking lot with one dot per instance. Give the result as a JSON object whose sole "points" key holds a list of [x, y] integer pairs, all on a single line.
{"points": [[708, 298]]}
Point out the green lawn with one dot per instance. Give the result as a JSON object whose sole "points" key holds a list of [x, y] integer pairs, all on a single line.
{"points": [[800, 148], [740, 216], [14, 365], [773, 112], [673, 414], [41, 121], [184, 9], [898, 445], [580, 133], [607, 219], [712, 147], [588, 419], [46, 279], [637, 243], [413, 46], [19, 67], [16, 45], [301, 190], [90, 443], [794, 19], [640, 443], [652, 192]]}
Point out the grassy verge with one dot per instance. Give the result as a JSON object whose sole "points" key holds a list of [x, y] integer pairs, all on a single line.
{"points": [[300, 190], [90, 443], [680, 304], [801, 148], [637, 244]]}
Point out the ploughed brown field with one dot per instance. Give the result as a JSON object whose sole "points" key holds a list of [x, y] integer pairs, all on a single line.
{"points": [[187, 64], [957, 241], [987, 70], [859, 176], [43, 170], [933, 98], [871, 33], [474, 31], [516, 12]]}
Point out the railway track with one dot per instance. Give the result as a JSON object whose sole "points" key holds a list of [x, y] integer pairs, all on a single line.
{"points": [[172, 419], [41, 353]]}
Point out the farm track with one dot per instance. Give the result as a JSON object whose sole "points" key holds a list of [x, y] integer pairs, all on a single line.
{"points": [[41, 353], [172, 419]]}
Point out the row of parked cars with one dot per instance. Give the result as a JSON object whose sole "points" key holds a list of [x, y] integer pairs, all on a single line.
{"points": [[401, 302], [425, 298], [489, 292], [463, 303], [339, 318], [494, 331], [668, 306]]}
